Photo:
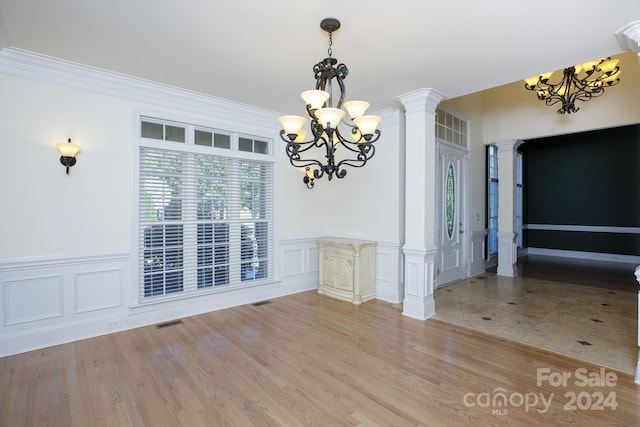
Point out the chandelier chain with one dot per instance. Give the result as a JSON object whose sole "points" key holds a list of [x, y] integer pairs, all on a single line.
{"points": [[329, 50]]}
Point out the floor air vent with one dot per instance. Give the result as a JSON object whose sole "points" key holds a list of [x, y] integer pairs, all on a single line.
{"points": [[259, 303], [167, 324]]}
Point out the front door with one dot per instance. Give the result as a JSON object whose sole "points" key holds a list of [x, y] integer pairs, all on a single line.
{"points": [[450, 215]]}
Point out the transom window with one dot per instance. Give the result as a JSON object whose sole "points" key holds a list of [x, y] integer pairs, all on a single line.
{"points": [[451, 128], [205, 209]]}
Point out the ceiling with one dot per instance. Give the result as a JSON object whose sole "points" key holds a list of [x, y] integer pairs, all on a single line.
{"points": [[261, 52]]}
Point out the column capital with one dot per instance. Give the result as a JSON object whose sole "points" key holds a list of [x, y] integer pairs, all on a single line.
{"points": [[421, 100], [629, 37], [509, 144]]}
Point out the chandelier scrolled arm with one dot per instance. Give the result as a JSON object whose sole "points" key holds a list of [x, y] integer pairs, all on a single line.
{"points": [[367, 151], [579, 83], [325, 121]]}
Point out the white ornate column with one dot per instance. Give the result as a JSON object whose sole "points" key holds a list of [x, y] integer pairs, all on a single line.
{"points": [[629, 37], [507, 235], [420, 248]]}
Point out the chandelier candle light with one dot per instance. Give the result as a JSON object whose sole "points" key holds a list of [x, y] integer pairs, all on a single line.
{"points": [[579, 83], [325, 118]]}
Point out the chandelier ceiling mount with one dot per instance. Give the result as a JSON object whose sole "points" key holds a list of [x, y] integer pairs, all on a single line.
{"points": [[330, 25]]}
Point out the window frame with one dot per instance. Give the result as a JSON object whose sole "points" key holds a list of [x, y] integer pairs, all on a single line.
{"points": [[492, 180], [267, 164], [519, 199], [492, 233]]}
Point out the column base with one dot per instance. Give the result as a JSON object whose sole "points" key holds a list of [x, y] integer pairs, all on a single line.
{"points": [[419, 283], [507, 255], [421, 310]]}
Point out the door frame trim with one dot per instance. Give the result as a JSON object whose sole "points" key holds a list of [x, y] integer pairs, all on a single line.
{"points": [[464, 197]]}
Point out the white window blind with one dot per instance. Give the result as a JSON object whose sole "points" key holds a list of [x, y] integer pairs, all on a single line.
{"points": [[519, 198], [492, 199], [205, 219]]}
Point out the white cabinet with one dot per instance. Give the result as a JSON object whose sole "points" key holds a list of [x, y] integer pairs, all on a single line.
{"points": [[347, 269]]}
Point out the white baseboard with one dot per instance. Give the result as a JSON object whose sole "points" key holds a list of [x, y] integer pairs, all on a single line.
{"points": [[595, 256]]}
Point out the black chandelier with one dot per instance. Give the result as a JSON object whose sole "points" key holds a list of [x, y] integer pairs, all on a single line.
{"points": [[325, 118], [579, 83]]}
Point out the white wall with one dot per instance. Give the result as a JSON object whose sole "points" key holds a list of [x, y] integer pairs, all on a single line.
{"points": [[66, 262], [365, 204], [44, 210]]}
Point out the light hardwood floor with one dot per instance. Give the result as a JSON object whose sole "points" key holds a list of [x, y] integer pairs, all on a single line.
{"points": [[306, 360]]}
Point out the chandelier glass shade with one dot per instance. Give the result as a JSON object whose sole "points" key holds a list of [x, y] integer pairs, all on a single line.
{"points": [[326, 112], [578, 83]]}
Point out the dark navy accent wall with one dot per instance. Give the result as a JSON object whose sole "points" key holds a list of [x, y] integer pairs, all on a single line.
{"points": [[583, 179]]}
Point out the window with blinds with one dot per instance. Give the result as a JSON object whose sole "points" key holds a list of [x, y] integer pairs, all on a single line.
{"points": [[492, 200], [519, 196], [205, 210]]}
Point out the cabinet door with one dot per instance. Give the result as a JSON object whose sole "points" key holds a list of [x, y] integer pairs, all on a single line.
{"points": [[338, 272]]}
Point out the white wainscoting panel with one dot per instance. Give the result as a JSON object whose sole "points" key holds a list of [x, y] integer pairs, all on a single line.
{"points": [[299, 264], [98, 290], [30, 299], [389, 264], [477, 263], [294, 261], [52, 300], [314, 258]]}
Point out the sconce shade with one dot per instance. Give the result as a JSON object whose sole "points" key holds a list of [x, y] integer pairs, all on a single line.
{"points": [[309, 178], [356, 108], [302, 134], [330, 116], [315, 98], [608, 66], [587, 66], [292, 124], [367, 124], [532, 81], [68, 149]]}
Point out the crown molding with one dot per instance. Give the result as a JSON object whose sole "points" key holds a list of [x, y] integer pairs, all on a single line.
{"points": [[629, 37], [26, 64], [390, 117]]}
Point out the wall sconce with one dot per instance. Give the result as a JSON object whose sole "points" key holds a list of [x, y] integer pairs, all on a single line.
{"points": [[308, 178], [69, 152]]}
